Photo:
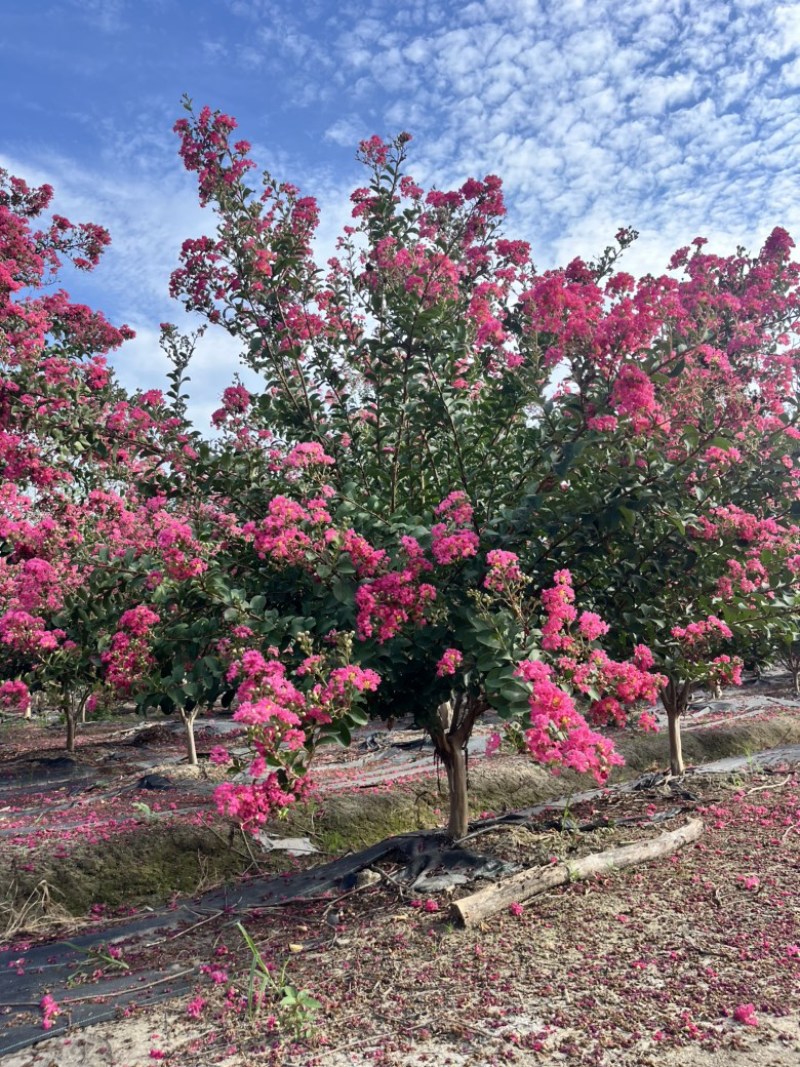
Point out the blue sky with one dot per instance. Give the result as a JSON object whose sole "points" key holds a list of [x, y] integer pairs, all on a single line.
{"points": [[677, 117]]}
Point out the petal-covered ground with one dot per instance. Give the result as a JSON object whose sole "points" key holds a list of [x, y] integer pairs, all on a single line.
{"points": [[692, 960]]}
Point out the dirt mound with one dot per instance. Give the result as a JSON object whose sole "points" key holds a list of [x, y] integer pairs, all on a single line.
{"points": [[152, 736]]}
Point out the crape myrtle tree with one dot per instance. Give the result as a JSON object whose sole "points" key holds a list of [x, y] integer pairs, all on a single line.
{"points": [[404, 407], [681, 524], [418, 370], [108, 582], [53, 376], [81, 467]]}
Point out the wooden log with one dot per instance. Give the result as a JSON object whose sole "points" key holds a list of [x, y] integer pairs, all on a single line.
{"points": [[519, 887]]}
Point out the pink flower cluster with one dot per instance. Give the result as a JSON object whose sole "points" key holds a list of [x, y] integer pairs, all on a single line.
{"points": [[235, 401], [748, 577], [451, 540], [558, 734], [28, 634], [504, 575], [725, 670], [701, 635], [416, 268], [283, 724], [558, 603], [128, 661], [388, 603], [50, 1010], [591, 626], [281, 535], [745, 1014], [308, 454], [15, 696], [181, 552], [139, 620], [366, 559], [205, 149], [449, 663], [252, 805], [634, 394], [342, 684]]}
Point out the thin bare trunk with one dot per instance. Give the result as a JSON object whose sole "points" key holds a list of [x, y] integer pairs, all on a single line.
{"points": [[457, 785], [675, 746], [675, 698], [69, 711], [70, 729], [191, 749]]}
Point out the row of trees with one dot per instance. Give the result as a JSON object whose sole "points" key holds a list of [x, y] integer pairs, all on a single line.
{"points": [[463, 484]]}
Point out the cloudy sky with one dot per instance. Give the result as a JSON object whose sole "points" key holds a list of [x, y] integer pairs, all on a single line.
{"points": [[677, 117]]}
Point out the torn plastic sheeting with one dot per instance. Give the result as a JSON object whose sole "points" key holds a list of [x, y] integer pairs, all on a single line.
{"points": [[40, 776], [295, 846], [458, 866], [78, 1014], [789, 754]]}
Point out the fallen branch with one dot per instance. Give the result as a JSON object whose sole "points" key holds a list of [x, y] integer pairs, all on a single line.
{"points": [[519, 887], [769, 785], [67, 1002]]}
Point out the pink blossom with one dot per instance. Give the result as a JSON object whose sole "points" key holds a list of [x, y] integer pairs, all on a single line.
{"points": [[504, 572], [196, 1007], [449, 663], [745, 1014], [15, 696], [308, 454], [138, 620], [386, 604], [592, 626], [493, 743], [449, 546], [49, 1009]]}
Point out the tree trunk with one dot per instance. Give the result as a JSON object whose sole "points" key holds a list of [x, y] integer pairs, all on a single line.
{"points": [[473, 909], [191, 749], [451, 731], [675, 747], [70, 716], [70, 729], [456, 767], [675, 698]]}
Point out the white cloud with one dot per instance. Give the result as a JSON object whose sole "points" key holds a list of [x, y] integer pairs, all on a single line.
{"points": [[678, 117], [347, 132], [107, 15]]}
